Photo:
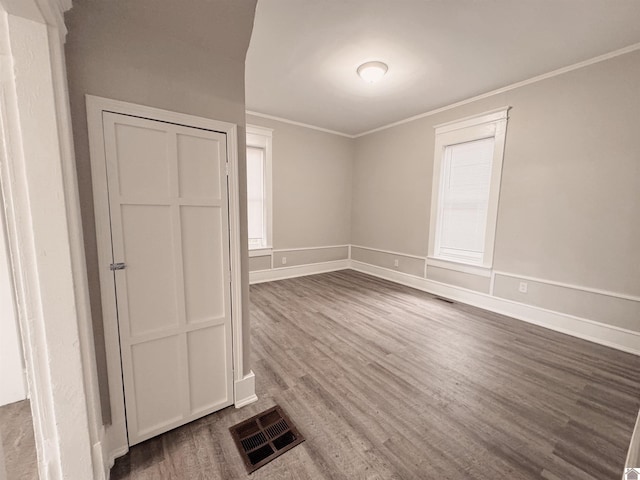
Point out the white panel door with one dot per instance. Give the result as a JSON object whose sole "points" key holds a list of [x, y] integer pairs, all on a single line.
{"points": [[170, 228]]}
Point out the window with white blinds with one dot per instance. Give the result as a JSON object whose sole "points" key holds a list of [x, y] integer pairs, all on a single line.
{"points": [[465, 196], [256, 198], [259, 187], [467, 170]]}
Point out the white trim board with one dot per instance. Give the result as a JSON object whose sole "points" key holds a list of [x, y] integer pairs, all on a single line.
{"points": [[281, 273], [489, 116], [610, 336], [513, 86], [245, 389]]}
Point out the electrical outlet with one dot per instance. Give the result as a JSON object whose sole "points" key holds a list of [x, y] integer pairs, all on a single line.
{"points": [[284, 260], [396, 263], [523, 287]]}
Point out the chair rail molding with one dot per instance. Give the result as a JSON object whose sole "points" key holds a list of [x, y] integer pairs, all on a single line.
{"points": [[44, 230]]}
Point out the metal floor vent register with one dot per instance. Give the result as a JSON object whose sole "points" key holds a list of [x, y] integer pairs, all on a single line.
{"points": [[264, 437]]}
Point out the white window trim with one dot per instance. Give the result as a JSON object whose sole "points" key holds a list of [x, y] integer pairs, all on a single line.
{"points": [[489, 124], [262, 137], [260, 252], [460, 267]]}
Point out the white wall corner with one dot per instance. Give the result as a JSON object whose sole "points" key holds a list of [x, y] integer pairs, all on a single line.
{"points": [[245, 390]]}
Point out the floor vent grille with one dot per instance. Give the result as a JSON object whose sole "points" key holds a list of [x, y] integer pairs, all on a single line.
{"points": [[264, 437]]}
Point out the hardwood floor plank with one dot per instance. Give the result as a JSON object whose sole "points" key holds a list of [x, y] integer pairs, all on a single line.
{"points": [[387, 382], [18, 441]]}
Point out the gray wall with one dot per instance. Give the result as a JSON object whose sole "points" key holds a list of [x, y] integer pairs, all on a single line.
{"points": [[186, 57], [312, 179], [569, 199], [570, 196]]}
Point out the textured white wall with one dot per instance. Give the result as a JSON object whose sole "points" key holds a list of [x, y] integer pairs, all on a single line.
{"points": [[12, 385], [42, 216]]}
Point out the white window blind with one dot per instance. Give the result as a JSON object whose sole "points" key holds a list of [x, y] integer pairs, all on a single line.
{"points": [[467, 167], [465, 188], [256, 197]]}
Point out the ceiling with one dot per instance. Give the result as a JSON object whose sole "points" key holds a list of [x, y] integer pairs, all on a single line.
{"points": [[302, 58]]}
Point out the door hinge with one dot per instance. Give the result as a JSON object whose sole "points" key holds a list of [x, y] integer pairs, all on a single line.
{"points": [[226, 168], [117, 266]]}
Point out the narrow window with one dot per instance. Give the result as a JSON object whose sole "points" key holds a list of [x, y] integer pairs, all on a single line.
{"points": [[259, 187], [466, 186], [256, 198]]}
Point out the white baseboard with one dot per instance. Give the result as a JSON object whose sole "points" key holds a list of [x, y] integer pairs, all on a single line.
{"points": [[608, 335], [281, 273], [117, 453], [245, 390], [101, 467]]}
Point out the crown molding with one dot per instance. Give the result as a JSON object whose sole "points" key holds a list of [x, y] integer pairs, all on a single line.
{"points": [[513, 86], [298, 124]]}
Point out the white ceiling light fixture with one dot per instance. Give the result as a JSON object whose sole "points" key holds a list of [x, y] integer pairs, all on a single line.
{"points": [[371, 72]]}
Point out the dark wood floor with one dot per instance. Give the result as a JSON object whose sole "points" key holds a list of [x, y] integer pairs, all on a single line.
{"points": [[387, 382]]}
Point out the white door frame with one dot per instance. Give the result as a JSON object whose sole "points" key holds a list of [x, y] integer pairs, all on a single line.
{"points": [[116, 432]]}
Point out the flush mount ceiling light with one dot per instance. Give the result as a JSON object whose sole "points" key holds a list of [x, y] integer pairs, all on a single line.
{"points": [[371, 72]]}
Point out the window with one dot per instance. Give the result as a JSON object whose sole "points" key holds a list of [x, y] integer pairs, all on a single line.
{"points": [[466, 186], [259, 187]]}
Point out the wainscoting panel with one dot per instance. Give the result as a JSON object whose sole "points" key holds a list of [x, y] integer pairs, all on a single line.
{"points": [[259, 263], [307, 256], [299, 262], [613, 310], [408, 264], [459, 279]]}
